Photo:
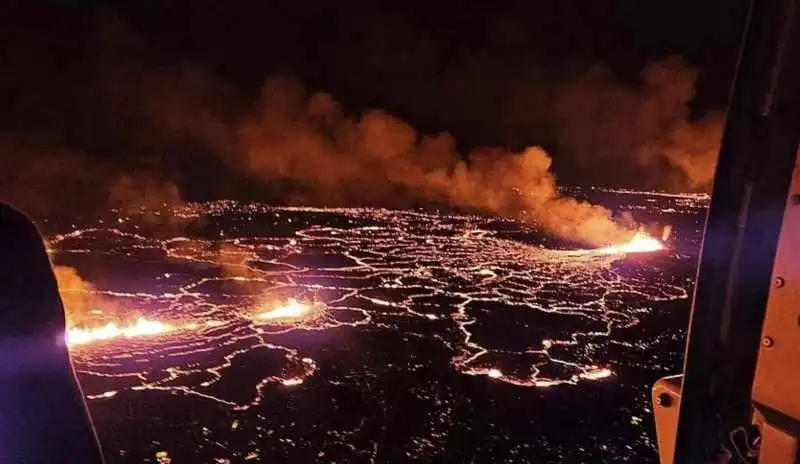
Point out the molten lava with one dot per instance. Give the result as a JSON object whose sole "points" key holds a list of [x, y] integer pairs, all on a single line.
{"points": [[142, 327], [640, 243], [293, 309], [291, 312]]}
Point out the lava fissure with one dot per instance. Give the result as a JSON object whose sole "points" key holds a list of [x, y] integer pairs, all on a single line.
{"points": [[396, 271]]}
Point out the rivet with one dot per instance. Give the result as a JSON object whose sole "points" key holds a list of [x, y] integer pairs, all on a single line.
{"points": [[768, 342], [794, 200], [780, 282], [664, 400]]}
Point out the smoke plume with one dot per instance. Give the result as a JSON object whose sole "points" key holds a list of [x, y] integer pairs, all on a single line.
{"points": [[150, 201], [81, 302], [644, 130], [49, 181], [148, 133], [307, 139]]}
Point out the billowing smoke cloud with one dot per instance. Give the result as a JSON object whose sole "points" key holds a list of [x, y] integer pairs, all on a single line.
{"points": [[306, 138], [48, 181], [36, 175], [644, 129], [152, 132], [81, 302], [599, 122], [150, 201], [693, 148], [116, 134]]}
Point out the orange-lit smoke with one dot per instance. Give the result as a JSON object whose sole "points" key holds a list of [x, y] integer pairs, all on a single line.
{"points": [[81, 301], [46, 180], [303, 146], [151, 201], [306, 138], [604, 124]]}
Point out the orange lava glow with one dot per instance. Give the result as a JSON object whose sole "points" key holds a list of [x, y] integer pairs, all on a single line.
{"points": [[293, 309], [142, 327], [640, 243], [597, 373]]}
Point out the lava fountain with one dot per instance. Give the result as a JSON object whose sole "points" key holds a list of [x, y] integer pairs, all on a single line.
{"points": [[293, 309], [640, 243], [291, 312], [142, 327]]}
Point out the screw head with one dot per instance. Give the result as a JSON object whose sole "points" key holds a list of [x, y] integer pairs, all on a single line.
{"points": [[768, 342], [780, 282], [664, 400], [794, 200]]}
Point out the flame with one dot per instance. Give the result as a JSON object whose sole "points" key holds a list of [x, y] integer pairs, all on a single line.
{"points": [[640, 243], [293, 309], [142, 327]]}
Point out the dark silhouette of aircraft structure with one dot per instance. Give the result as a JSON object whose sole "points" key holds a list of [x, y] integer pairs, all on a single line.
{"points": [[43, 417]]}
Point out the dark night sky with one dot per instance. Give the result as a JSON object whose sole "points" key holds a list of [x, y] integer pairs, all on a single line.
{"points": [[443, 65], [346, 44]]}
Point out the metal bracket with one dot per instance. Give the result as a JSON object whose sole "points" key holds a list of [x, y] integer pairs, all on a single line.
{"points": [[666, 396]]}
